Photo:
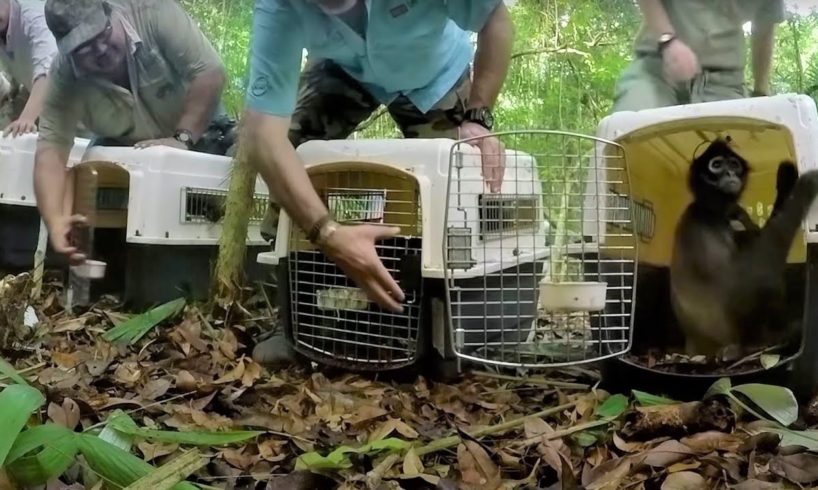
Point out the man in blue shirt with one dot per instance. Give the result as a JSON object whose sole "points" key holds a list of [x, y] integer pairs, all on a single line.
{"points": [[413, 56]]}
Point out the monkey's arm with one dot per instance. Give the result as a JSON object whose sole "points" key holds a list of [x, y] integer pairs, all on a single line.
{"points": [[778, 234]]}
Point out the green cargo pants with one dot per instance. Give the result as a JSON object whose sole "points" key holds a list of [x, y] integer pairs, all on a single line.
{"points": [[643, 86], [332, 104]]}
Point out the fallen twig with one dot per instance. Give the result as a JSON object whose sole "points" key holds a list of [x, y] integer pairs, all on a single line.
{"points": [[534, 381], [453, 441], [374, 477]]}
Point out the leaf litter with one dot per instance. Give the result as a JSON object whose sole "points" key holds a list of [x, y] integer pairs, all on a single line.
{"points": [[173, 398]]}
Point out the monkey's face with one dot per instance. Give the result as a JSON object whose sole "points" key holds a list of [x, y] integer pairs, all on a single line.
{"points": [[726, 173]]}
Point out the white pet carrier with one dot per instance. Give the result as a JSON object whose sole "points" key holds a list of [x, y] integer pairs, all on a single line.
{"points": [[660, 145], [19, 218], [156, 218], [472, 263]]}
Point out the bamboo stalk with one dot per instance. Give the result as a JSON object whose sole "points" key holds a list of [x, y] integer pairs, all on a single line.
{"points": [[228, 276], [452, 441]]}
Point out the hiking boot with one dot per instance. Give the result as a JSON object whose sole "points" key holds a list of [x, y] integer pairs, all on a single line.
{"points": [[269, 226], [274, 352]]}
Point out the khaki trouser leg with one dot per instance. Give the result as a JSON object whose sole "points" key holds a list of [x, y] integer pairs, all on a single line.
{"points": [[642, 86]]}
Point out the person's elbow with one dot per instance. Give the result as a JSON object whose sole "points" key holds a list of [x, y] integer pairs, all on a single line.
{"points": [[264, 136]]}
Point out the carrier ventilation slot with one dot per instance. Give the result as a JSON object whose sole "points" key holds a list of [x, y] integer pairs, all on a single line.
{"points": [[626, 213], [501, 215], [207, 205], [112, 199]]}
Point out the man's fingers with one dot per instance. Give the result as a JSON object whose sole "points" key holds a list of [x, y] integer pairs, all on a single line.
{"points": [[77, 218], [382, 232], [387, 282], [378, 294]]}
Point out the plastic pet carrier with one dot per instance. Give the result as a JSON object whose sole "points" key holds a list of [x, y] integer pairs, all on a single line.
{"points": [[505, 279], [155, 220], [660, 145], [20, 230]]}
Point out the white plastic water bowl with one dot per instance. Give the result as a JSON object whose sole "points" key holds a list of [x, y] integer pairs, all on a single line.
{"points": [[90, 269], [573, 296]]}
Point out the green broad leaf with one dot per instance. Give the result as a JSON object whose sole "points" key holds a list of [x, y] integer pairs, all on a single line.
{"points": [[769, 361], [116, 465], [130, 331], [807, 439], [171, 473], [612, 407], [17, 403], [8, 372], [648, 400], [585, 439], [57, 449], [720, 387], [35, 438], [126, 425], [776, 401], [338, 459]]}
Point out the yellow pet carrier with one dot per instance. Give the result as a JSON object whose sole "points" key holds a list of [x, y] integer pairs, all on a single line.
{"points": [[660, 144]]}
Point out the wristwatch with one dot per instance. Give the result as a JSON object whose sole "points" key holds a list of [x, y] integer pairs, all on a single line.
{"points": [[481, 116], [185, 137], [665, 40]]}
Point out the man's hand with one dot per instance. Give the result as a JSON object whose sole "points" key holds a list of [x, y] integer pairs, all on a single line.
{"points": [[171, 142], [680, 62], [353, 249], [20, 126], [492, 151], [59, 230]]}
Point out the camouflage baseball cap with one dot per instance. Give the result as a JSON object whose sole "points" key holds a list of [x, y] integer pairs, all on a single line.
{"points": [[75, 22]]}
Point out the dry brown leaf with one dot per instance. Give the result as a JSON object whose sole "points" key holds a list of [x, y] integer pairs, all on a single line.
{"points": [[666, 454], [684, 480], [155, 388], [412, 465], [65, 360], [393, 425], [97, 367], [151, 451], [797, 468], [691, 465], [272, 450], [228, 345], [707, 442], [240, 458], [128, 373], [763, 485], [70, 325], [67, 415], [365, 413], [234, 375], [608, 475], [636, 447], [477, 468], [252, 373]]}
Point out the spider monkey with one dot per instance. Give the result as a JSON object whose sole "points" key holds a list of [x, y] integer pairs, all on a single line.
{"points": [[727, 275]]}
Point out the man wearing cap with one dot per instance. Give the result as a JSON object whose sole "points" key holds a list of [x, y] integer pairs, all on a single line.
{"points": [[27, 49], [135, 72], [690, 51], [412, 56]]}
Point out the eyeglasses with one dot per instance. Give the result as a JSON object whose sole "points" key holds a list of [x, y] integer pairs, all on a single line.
{"points": [[101, 38]]}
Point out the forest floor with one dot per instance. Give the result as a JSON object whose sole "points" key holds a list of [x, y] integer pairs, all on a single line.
{"points": [[177, 389]]}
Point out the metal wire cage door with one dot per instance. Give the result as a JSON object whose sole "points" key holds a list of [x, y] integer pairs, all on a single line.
{"points": [[332, 320], [525, 266]]}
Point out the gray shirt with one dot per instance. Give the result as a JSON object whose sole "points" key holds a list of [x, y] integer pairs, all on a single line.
{"points": [[29, 46]]}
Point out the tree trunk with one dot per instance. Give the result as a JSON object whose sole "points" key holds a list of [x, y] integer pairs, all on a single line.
{"points": [[228, 278]]}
